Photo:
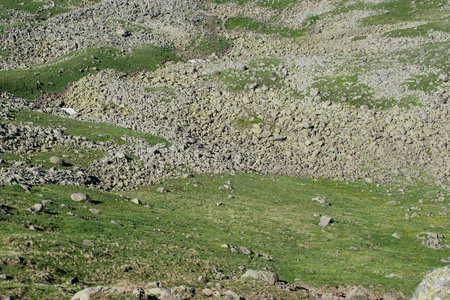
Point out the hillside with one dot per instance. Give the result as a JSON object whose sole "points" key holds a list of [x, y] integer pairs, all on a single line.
{"points": [[238, 125]]}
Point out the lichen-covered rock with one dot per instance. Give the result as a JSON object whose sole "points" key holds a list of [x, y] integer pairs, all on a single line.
{"points": [[435, 285]]}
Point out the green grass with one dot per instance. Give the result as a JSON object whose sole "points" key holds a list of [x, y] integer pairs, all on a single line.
{"points": [[71, 156], [4, 53], [344, 89], [268, 215], [421, 30], [205, 45], [166, 94], [347, 91], [252, 25], [32, 83], [426, 83], [42, 13], [404, 11], [98, 132], [247, 122], [274, 4], [131, 27]]}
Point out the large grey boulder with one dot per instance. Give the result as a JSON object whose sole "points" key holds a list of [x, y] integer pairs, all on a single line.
{"points": [[269, 277], [80, 197], [435, 285]]}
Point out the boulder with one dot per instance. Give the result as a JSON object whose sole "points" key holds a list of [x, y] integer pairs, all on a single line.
{"points": [[435, 285], [269, 277], [56, 160], [94, 293], [80, 197]]}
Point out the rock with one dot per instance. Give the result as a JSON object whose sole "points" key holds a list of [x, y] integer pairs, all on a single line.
{"points": [[74, 280], [158, 291], [321, 200], [245, 251], [325, 220], [434, 285], [5, 277], [94, 211], [357, 294], [116, 223], [38, 208], [162, 190], [136, 201], [269, 277], [231, 294], [47, 202], [207, 292], [396, 235], [87, 243], [95, 293], [123, 32], [81, 197], [56, 160]]}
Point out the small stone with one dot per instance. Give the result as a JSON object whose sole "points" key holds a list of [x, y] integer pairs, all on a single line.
{"points": [[357, 294], [5, 277], [162, 190], [354, 248], [81, 197], [207, 292], [136, 201], [94, 211], [219, 203], [38, 208], [47, 202], [396, 235], [87, 243], [116, 223], [245, 251], [325, 220]]}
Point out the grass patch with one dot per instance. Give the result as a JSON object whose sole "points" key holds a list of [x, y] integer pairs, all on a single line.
{"points": [[98, 132], [359, 38], [426, 83], [344, 89], [252, 25], [268, 215], [70, 155], [34, 82], [166, 94], [42, 11], [205, 45], [4, 53], [420, 31], [129, 26], [247, 122], [405, 11], [274, 4]]}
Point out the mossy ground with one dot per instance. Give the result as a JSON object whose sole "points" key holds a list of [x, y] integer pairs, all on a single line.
{"points": [[97, 132], [34, 82], [178, 236]]}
